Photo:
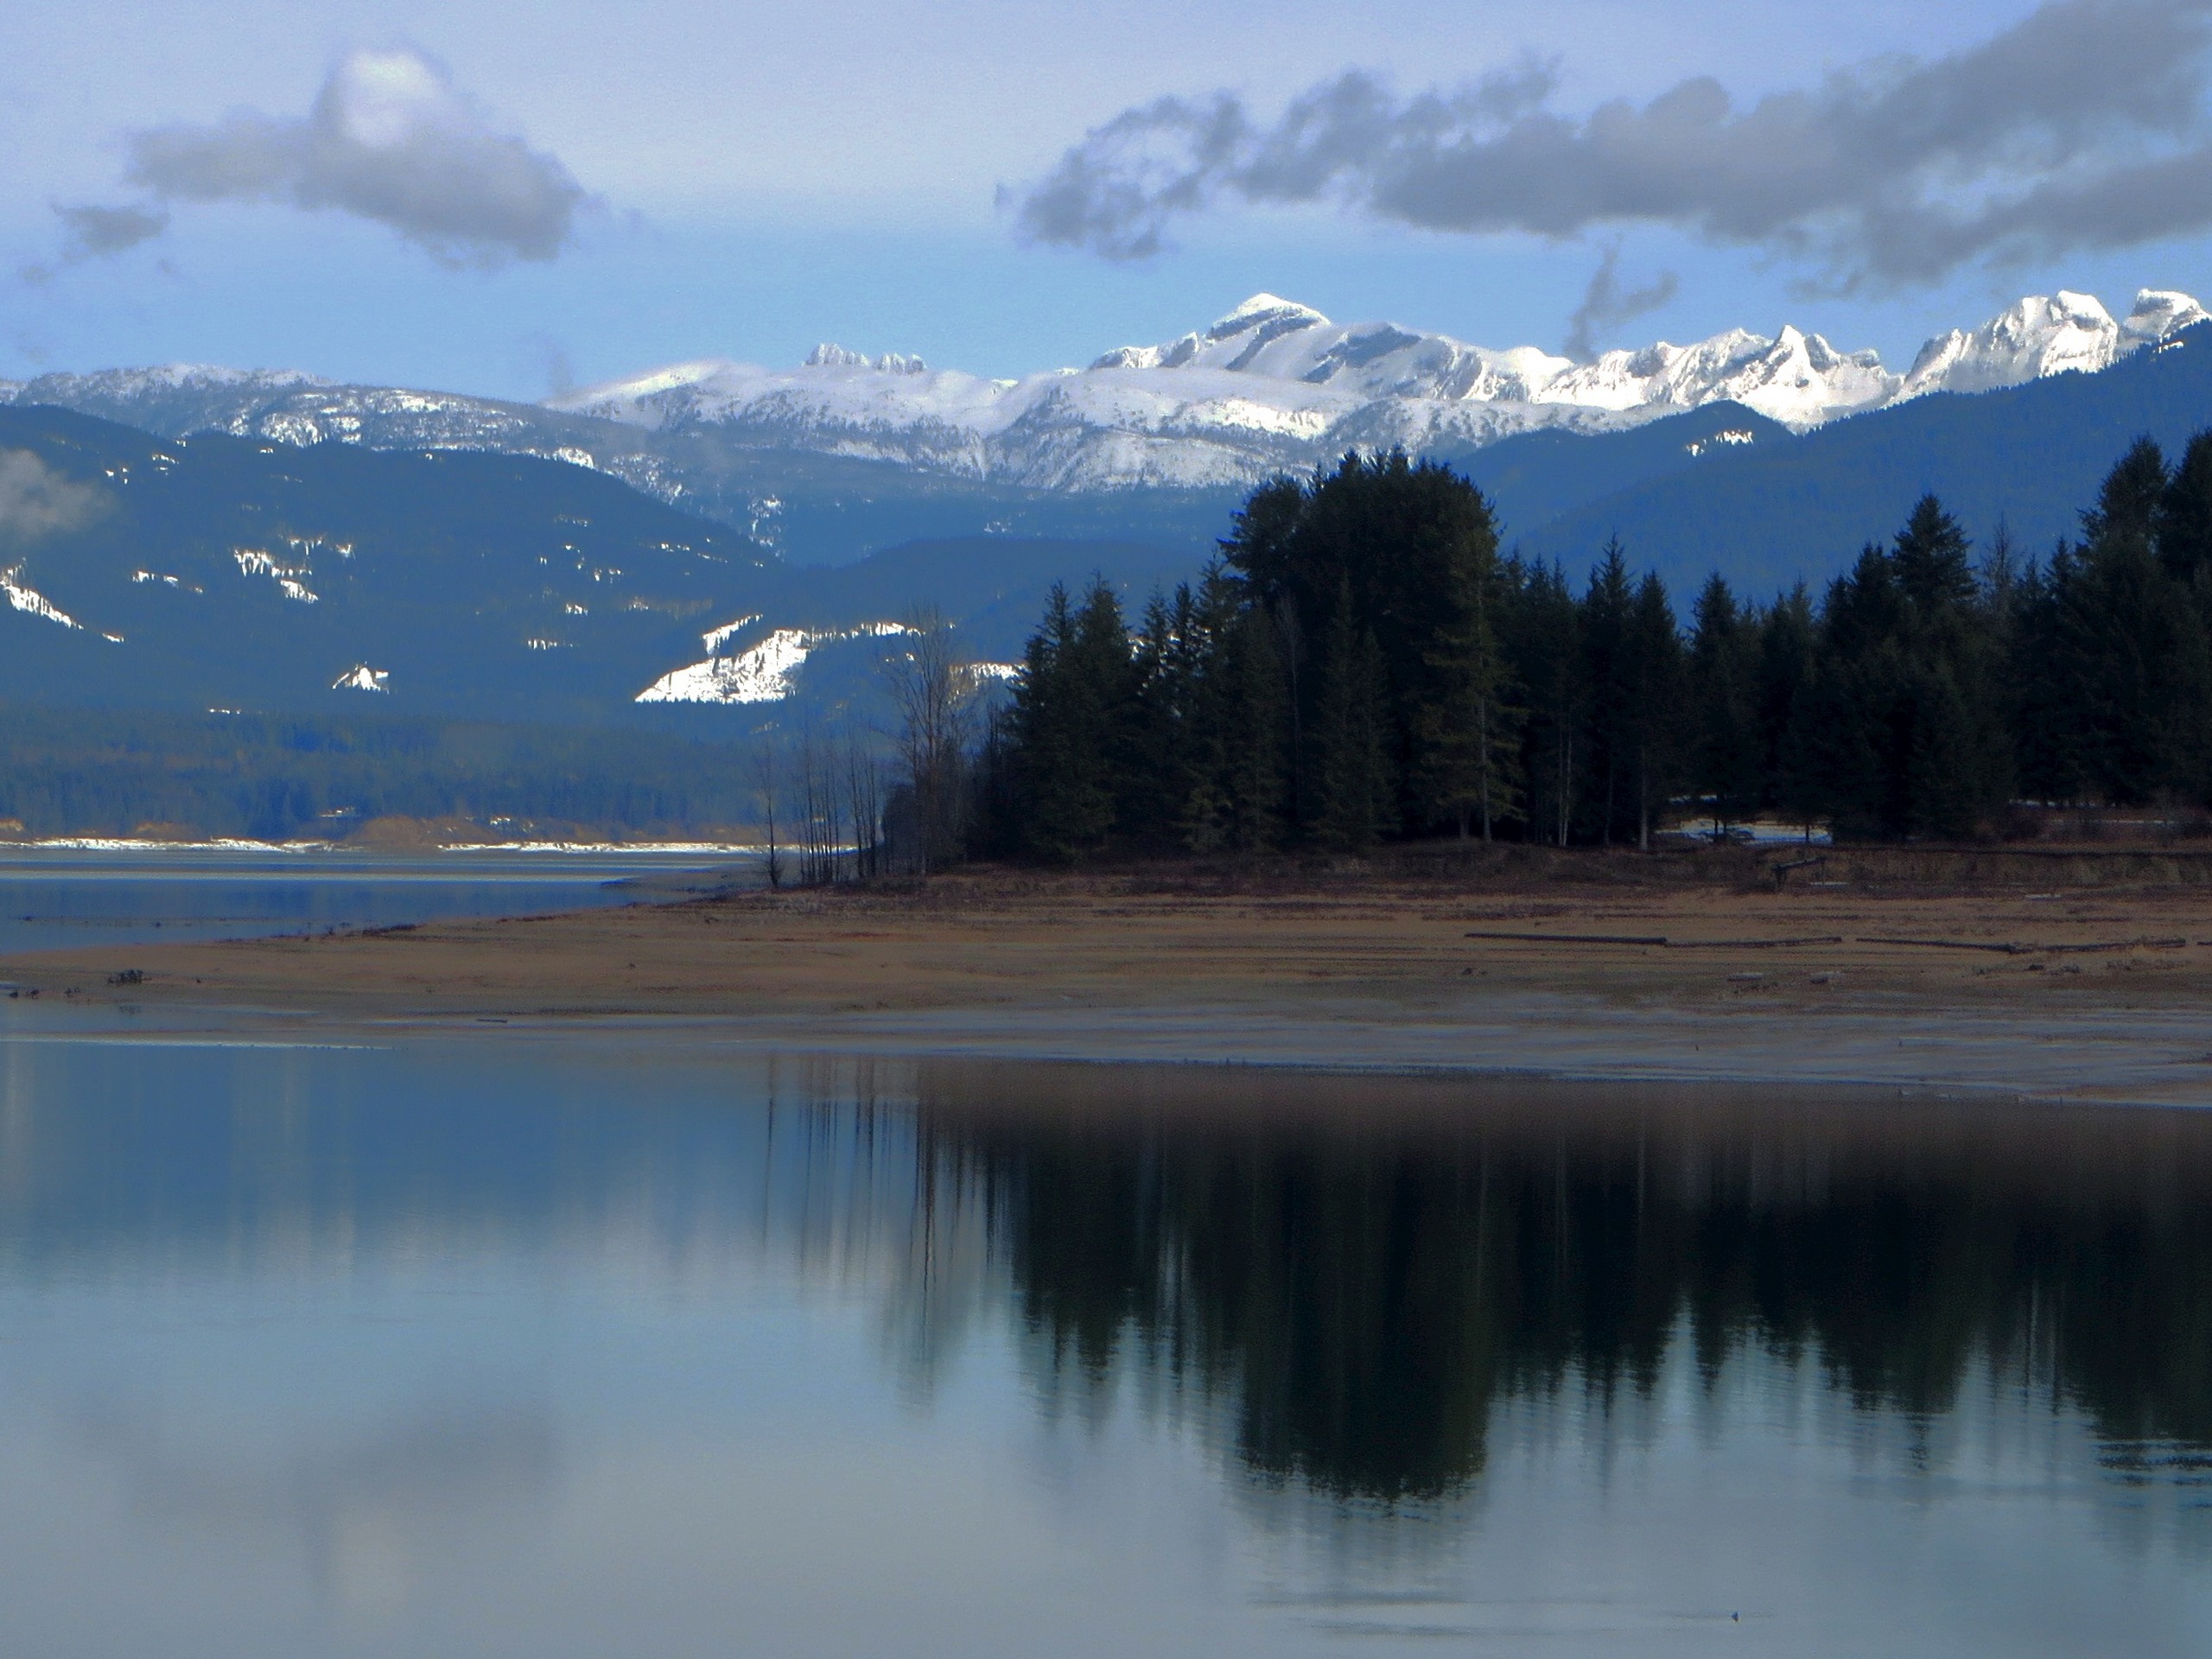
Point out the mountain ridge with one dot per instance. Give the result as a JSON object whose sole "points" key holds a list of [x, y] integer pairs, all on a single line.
{"points": [[1272, 386]]}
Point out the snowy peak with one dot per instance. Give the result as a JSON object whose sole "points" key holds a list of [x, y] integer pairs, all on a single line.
{"points": [[171, 386], [2160, 312], [1264, 308], [1794, 378], [1276, 384], [1272, 386], [1267, 336], [1265, 316], [2059, 333], [826, 356]]}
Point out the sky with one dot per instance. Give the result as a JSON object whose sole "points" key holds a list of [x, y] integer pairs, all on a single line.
{"points": [[515, 200]]}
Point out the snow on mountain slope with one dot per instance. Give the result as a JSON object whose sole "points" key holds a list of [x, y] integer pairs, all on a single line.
{"points": [[2039, 336], [1796, 378], [765, 672], [1272, 385], [1276, 384], [1222, 408]]}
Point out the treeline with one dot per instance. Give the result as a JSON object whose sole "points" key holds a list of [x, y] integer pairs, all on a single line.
{"points": [[90, 771], [1364, 664]]}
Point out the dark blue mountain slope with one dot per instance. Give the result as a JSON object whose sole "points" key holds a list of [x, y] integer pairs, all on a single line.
{"points": [[1767, 514], [212, 572], [1536, 477]]}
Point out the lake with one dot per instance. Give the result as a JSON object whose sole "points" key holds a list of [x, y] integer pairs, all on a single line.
{"points": [[64, 898], [568, 1344]]}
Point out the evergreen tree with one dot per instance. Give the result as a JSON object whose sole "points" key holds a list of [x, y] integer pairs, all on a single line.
{"points": [[1233, 788], [1251, 697], [1608, 666], [1352, 760], [1654, 676], [1724, 691], [2128, 645], [1074, 703], [2184, 524], [1466, 729], [1906, 736], [2050, 735], [2130, 499], [1786, 648], [1929, 559], [1548, 665], [1159, 761], [1412, 541]]}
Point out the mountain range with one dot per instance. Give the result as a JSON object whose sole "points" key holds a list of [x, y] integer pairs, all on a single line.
{"points": [[723, 535], [1272, 386], [1275, 385]]}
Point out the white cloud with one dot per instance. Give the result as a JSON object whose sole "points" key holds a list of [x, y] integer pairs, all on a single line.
{"points": [[390, 138]]}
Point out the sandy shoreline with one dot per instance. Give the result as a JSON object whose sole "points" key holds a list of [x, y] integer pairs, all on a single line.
{"points": [[1510, 964]]}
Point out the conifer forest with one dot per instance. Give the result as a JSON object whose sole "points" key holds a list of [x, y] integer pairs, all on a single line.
{"points": [[1365, 663]]}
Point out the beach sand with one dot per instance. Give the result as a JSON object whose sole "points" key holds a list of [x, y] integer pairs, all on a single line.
{"points": [[2084, 976]]}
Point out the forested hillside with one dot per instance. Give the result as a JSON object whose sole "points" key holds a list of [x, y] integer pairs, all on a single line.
{"points": [[1365, 665]]}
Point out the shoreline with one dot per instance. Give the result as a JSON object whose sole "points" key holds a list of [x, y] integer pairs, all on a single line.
{"points": [[371, 852], [1521, 967]]}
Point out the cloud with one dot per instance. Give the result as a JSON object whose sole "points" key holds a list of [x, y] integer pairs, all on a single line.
{"points": [[2082, 126], [388, 138], [94, 233], [91, 231], [1606, 304], [36, 501]]}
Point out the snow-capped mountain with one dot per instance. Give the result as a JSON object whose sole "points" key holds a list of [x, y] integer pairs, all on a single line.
{"points": [[1275, 383], [2067, 332], [1272, 385]]}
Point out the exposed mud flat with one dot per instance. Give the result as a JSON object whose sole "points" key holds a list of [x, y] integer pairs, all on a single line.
{"points": [[2099, 987]]}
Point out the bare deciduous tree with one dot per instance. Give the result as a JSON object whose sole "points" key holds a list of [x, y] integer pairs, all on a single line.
{"points": [[863, 782], [764, 784], [936, 691]]}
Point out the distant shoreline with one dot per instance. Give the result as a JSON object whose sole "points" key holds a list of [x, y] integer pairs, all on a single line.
{"points": [[352, 848], [1512, 964]]}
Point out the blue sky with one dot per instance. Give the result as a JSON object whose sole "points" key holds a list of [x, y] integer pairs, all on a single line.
{"points": [[756, 179]]}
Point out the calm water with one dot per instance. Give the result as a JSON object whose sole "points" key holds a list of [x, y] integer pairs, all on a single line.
{"points": [[66, 898], [542, 1346]]}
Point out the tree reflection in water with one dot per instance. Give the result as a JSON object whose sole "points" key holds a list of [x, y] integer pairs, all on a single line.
{"points": [[1346, 1283], [1357, 1272]]}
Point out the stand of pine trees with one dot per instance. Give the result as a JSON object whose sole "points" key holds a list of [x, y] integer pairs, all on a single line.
{"points": [[1364, 665]]}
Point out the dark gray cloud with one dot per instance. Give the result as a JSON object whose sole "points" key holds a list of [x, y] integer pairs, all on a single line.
{"points": [[1606, 304], [91, 231], [36, 501], [390, 138], [2082, 126]]}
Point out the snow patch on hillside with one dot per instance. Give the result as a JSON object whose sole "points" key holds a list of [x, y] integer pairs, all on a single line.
{"points": [[258, 562], [715, 638], [767, 672], [31, 602]]}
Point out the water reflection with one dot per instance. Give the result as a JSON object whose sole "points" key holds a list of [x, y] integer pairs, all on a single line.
{"points": [[1366, 1271], [522, 1346]]}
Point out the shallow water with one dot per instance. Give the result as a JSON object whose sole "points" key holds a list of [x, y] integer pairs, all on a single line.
{"points": [[64, 899], [551, 1346]]}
